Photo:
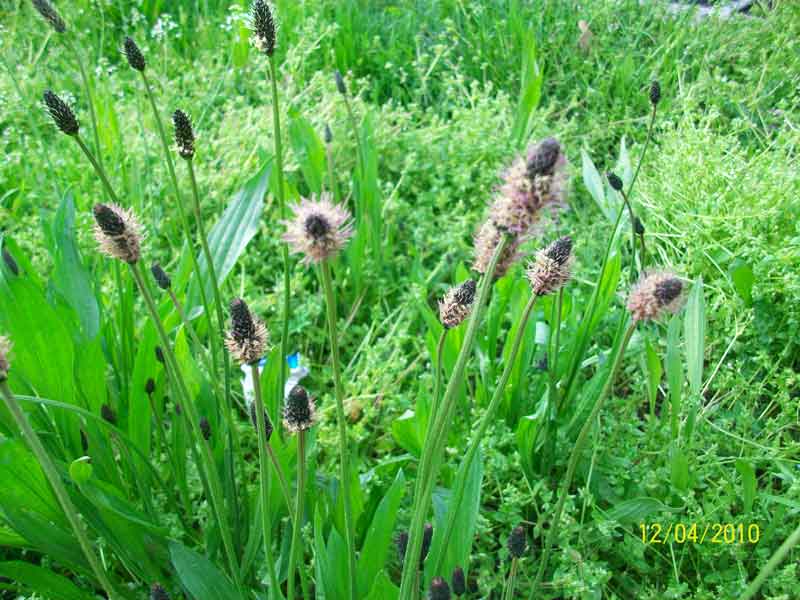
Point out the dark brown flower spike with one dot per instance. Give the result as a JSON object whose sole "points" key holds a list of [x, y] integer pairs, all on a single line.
{"points": [[439, 589], [299, 412], [133, 54], [551, 268], [50, 14], [117, 232], [517, 542], [184, 134], [247, 339], [459, 582], [655, 294], [158, 593], [161, 277], [61, 113], [457, 304], [263, 25]]}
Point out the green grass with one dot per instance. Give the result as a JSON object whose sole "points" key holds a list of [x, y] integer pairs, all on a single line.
{"points": [[439, 83]]}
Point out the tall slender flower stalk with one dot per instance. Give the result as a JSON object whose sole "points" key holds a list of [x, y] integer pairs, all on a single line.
{"points": [[341, 87], [319, 230], [548, 273], [264, 39], [430, 460], [299, 416], [185, 142], [655, 295], [118, 236], [137, 62], [50, 472]]}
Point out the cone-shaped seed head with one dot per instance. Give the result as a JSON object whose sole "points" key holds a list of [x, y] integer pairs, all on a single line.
{"points": [[614, 181], [328, 134], [299, 412], [205, 428], [61, 113], [158, 593], [551, 268], [543, 157], [133, 54], [439, 589], [161, 277], [50, 14], [530, 185], [319, 230], [117, 232], [655, 92], [184, 134], [656, 294], [159, 354], [459, 582], [5, 365], [517, 542], [267, 422], [263, 25], [150, 386], [340, 85], [247, 340], [457, 304]]}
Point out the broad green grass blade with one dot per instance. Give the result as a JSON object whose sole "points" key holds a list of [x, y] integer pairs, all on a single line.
{"points": [[201, 578], [43, 581]]}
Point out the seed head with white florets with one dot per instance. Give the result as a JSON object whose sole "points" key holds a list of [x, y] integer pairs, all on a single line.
{"points": [[248, 339], [319, 230], [551, 268], [657, 293], [117, 232]]}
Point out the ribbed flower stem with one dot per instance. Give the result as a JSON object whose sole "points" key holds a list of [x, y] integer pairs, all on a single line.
{"points": [[344, 453], [298, 512], [577, 449], [632, 219], [552, 355], [488, 417], [437, 436], [193, 418], [438, 375], [264, 480], [187, 325], [354, 124], [772, 564], [508, 594], [88, 91], [58, 488], [184, 220], [212, 273], [276, 121]]}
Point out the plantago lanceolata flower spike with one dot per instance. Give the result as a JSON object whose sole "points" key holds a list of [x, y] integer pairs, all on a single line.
{"points": [[50, 14], [439, 589], [543, 157], [401, 541], [160, 354], [517, 542], [340, 85], [530, 185], [205, 428], [656, 294], [459, 582], [551, 268], [5, 365], [108, 414], [457, 304], [486, 240], [10, 262], [117, 232], [61, 113], [150, 386], [267, 422], [158, 593], [614, 181], [427, 538], [319, 230], [328, 134], [247, 339], [263, 25], [184, 134], [299, 412], [84, 442], [638, 226], [161, 277], [133, 54], [655, 93]]}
